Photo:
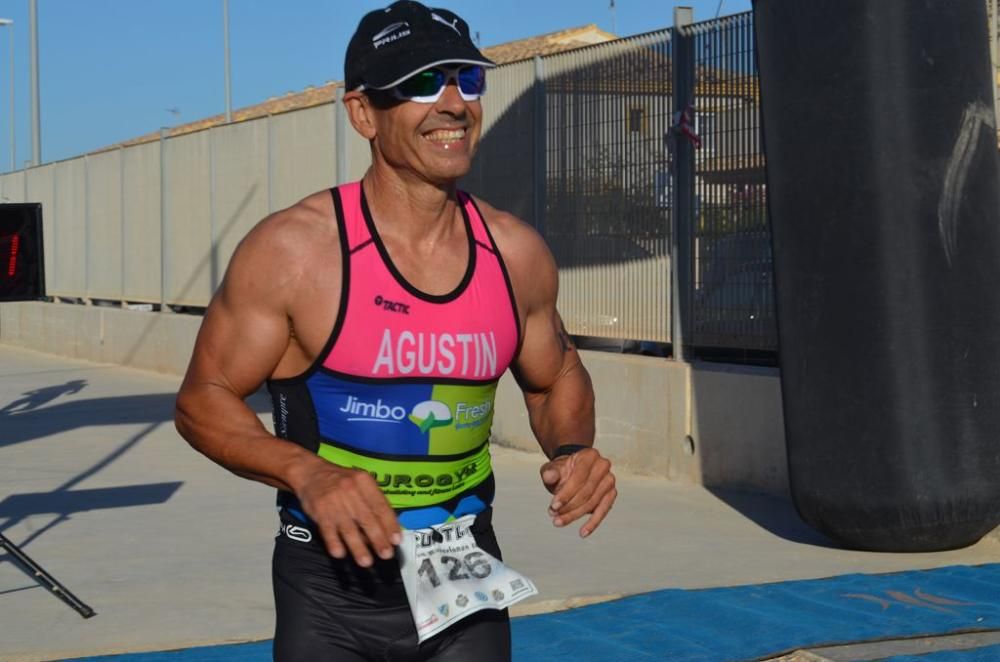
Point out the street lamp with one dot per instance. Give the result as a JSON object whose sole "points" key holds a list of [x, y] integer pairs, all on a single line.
{"points": [[225, 41], [36, 119], [13, 152]]}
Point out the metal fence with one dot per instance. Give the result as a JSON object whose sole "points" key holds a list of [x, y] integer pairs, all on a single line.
{"points": [[588, 146], [607, 216], [733, 301], [654, 236]]}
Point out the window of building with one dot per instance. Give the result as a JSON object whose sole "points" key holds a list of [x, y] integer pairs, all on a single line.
{"points": [[637, 120]]}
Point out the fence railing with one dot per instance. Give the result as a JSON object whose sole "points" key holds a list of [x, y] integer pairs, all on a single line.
{"points": [[584, 145], [733, 301]]}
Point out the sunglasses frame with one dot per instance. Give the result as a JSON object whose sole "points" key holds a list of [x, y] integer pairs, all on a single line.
{"points": [[450, 74]]}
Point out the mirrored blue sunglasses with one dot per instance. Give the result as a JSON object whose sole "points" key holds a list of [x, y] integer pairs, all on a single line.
{"points": [[428, 85]]}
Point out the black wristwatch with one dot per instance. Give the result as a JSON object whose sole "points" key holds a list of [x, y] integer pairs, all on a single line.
{"points": [[568, 449]]}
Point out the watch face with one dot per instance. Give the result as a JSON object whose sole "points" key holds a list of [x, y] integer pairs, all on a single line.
{"points": [[22, 269]]}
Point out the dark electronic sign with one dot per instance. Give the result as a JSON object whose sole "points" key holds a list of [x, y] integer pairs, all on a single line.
{"points": [[22, 264]]}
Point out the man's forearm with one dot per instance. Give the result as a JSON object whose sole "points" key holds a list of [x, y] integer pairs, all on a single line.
{"points": [[219, 425]]}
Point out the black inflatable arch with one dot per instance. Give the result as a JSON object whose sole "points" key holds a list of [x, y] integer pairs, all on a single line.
{"points": [[884, 198]]}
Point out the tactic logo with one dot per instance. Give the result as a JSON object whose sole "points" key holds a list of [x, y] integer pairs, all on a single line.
{"points": [[392, 306], [430, 414]]}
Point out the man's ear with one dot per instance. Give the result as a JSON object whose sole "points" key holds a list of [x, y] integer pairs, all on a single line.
{"points": [[359, 111]]}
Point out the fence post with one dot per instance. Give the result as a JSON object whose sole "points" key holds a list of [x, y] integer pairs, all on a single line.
{"points": [[683, 184], [86, 230], [540, 146], [340, 134], [270, 163], [164, 271], [122, 237], [213, 249], [55, 230]]}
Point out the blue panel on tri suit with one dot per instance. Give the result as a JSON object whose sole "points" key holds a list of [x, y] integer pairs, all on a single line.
{"points": [[370, 417]]}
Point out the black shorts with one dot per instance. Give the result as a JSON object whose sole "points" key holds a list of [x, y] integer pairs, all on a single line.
{"points": [[332, 610]]}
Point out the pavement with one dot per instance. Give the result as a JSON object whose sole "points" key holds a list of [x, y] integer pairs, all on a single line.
{"points": [[173, 552]]}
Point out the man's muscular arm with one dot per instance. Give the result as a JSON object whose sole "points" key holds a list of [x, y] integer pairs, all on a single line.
{"points": [[242, 339], [557, 388]]}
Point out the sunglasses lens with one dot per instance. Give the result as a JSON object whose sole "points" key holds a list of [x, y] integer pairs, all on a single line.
{"points": [[426, 83], [427, 86], [472, 80]]}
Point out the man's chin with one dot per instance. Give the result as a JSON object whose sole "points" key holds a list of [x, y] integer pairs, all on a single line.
{"points": [[448, 175]]}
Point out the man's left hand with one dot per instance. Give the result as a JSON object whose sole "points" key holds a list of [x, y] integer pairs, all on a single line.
{"points": [[581, 484]]}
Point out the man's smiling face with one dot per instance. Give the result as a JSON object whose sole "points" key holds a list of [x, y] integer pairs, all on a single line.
{"points": [[434, 140]]}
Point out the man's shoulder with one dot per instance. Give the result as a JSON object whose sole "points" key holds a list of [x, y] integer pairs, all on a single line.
{"points": [[529, 261], [513, 236], [298, 230], [286, 249]]}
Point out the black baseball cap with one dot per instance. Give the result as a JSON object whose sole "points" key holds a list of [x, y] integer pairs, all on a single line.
{"points": [[405, 38]]}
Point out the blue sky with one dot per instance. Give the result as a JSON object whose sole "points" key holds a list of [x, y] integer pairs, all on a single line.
{"points": [[110, 69]]}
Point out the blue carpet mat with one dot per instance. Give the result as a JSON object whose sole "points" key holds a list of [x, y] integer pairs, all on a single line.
{"points": [[750, 622], [984, 654], [735, 623]]}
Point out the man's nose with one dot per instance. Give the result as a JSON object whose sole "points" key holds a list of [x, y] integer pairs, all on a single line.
{"points": [[451, 100]]}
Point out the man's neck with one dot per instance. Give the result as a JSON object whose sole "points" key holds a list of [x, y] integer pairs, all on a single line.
{"points": [[408, 207]]}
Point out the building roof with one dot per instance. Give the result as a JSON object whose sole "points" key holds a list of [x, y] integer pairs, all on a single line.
{"points": [[507, 53], [548, 44]]}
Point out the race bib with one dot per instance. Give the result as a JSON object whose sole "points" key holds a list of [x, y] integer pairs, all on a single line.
{"points": [[447, 576]]}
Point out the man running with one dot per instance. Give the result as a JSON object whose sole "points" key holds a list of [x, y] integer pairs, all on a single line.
{"points": [[382, 314]]}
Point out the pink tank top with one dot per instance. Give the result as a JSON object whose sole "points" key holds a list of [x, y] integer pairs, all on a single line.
{"points": [[393, 330], [405, 387]]}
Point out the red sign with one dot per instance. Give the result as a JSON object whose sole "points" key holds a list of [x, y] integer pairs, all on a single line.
{"points": [[22, 273]]}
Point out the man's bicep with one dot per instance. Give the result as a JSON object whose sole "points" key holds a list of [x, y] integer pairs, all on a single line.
{"points": [[240, 346], [545, 346], [547, 351]]}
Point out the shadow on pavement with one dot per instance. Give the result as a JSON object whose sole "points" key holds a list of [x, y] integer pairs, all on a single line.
{"points": [[23, 588], [774, 514], [42, 396], [33, 421], [62, 503], [67, 502], [28, 418], [18, 507]]}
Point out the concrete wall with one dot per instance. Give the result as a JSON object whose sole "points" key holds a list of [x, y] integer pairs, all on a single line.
{"points": [[738, 427], [697, 423], [692, 422], [150, 341]]}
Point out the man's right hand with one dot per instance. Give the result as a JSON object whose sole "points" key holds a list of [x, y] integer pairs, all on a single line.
{"points": [[351, 513]]}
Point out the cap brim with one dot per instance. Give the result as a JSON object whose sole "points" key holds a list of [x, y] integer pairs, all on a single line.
{"points": [[412, 72]]}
